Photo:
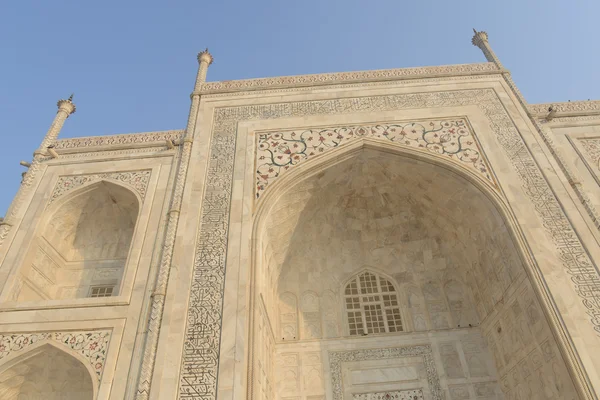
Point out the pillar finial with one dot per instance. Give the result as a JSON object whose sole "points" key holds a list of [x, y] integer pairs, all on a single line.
{"points": [[67, 105], [204, 59], [205, 56], [479, 38]]}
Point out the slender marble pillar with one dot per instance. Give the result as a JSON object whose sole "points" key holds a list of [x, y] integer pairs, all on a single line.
{"points": [[65, 108], [164, 270]]}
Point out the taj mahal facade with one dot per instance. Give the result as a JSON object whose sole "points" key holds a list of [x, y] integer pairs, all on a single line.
{"points": [[407, 234]]}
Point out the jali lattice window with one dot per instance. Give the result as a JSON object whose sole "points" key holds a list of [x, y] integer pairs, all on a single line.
{"points": [[101, 291], [372, 305]]}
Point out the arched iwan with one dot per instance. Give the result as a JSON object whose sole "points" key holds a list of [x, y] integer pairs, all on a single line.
{"points": [[81, 245], [427, 223]]}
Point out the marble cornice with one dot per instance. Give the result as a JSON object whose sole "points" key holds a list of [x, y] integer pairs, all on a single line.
{"points": [[348, 77], [566, 109]]}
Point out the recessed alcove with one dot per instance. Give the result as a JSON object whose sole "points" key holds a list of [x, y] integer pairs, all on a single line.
{"points": [[46, 373], [389, 251], [82, 245]]}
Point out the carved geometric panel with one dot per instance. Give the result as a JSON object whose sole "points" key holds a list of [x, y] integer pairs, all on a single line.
{"points": [[137, 180], [336, 358], [92, 345], [281, 150]]}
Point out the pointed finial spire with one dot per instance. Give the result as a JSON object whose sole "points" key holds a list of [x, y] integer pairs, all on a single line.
{"points": [[205, 56], [67, 105], [479, 38]]}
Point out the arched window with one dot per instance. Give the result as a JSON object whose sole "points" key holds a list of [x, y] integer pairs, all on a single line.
{"points": [[372, 305]]}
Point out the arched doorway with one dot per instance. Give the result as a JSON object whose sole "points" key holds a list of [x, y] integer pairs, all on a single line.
{"points": [[463, 320], [46, 373]]}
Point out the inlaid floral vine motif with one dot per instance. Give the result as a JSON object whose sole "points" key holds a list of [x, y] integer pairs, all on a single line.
{"points": [[91, 345], [280, 150]]}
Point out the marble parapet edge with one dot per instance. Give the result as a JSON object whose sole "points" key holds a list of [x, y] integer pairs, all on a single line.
{"points": [[347, 77], [119, 141], [566, 109]]}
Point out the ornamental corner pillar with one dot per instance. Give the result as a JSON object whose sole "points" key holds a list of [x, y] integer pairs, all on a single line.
{"points": [[204, 59], [65, 108]]}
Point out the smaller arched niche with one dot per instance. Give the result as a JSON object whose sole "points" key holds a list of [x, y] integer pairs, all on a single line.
{"points": [[82, 248], [46, 373]]}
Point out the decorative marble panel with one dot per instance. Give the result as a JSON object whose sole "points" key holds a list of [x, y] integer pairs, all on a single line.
{"points": [[137, 180], [92, 345], [394, 395], [336, 358], [279, 151], [592, 150]]}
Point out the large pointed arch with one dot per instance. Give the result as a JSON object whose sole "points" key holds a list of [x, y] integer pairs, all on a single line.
{"points": [[275, 197]]}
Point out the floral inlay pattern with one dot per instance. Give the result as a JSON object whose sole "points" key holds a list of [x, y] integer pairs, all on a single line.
{"points": [[416, 394], [91, 345], [280, 150], [137, 180]]}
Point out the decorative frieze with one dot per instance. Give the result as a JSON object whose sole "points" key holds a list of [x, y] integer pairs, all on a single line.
{"points": [[279, 151], [571, 107], [136, 180], [336, 358], [416, 394], [91, 345], [347, 77], [204, 315], [147, 138]]}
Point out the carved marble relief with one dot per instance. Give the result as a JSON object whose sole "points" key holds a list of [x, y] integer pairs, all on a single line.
{"points": [[336, 358], [526, 353], [394, 395], [288, 317], [300, 373], [263, 371], [119, 140], [281, 150], [92, 345]]}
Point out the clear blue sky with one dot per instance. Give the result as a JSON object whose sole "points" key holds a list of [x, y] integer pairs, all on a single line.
{"points": [[132, 64]]}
